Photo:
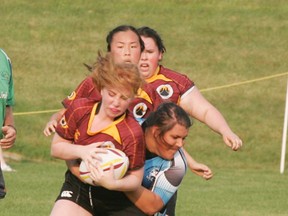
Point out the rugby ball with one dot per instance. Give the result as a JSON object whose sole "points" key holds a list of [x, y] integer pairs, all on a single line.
{"points": [[113, 156]]}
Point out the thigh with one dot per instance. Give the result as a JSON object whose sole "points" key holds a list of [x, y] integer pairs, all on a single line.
{"points": [[68, 208], [74, 192], [130, 210]]}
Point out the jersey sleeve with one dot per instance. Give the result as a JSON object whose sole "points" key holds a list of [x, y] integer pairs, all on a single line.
{"points": [[184, 84], [168, 181], [144, 103], [10, 99], [86, 89], [69, 123], [134, 144], [7, 67]]}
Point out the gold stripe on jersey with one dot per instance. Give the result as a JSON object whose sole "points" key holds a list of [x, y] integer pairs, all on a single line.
{"points": [[110, 130], [142, 94], [157, 76]]}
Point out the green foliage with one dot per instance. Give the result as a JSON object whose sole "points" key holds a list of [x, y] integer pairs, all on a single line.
{"points": [[216, 43]]}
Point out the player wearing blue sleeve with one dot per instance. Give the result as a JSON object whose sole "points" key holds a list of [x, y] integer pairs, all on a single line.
{"points": [[163, 176], [165, 131], [178, 88]]}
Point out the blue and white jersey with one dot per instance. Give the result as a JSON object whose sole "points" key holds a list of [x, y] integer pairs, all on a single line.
{"points": [[163, 177]]}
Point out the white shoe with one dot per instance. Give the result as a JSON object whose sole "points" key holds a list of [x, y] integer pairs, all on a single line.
{"points": [[6, 168]]}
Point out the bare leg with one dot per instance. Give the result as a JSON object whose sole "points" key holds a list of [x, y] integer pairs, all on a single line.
{"points": [[68, 208]]}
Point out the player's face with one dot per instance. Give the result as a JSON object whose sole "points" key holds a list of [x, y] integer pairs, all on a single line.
{"points": [[171, 141], [125, 47], [150, 58], [115, 101]]}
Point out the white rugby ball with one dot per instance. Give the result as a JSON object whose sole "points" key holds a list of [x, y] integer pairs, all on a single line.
{"points": [[113, 156]]}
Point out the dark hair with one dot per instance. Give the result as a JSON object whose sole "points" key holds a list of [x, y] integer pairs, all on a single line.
{"points": [[151, 33], [123, 28], [166, 116]]}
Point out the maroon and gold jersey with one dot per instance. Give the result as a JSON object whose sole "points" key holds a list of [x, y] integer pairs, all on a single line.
{"points": [[141, 106], [144, 103], [86, 89], [125, 133], [170, 85]]}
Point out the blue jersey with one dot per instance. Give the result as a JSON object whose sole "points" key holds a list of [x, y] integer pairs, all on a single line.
{"points": [[163, 177]]}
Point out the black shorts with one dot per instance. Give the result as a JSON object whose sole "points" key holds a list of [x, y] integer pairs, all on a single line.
{"points": [[96, 200], [76, 191]]}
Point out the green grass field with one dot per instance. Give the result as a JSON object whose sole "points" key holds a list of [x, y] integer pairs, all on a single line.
{"points": [[216, 43]]}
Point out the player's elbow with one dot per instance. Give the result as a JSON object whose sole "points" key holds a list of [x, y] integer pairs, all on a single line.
{"points": [[151, 212], [154, 208], [54, 151]]}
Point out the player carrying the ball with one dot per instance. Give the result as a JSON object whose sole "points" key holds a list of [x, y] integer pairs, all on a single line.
{"points": [[85, 126]]}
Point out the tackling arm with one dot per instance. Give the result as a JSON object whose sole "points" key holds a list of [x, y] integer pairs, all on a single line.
{"points": [[198, 168], [146, 200], [52, 123], [198, 107], [164, 186]]}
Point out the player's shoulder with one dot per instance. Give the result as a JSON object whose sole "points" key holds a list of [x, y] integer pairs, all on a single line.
{"points": [[88, 81], [3, 55], [165, 70], [172, 73], [82, 104], [132, 123]]}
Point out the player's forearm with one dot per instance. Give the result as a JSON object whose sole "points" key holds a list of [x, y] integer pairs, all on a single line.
{"points": [[146, 200], [190, 160], [201, 109], [215, 120], [63, 149], [131, 182], [9, 118]]}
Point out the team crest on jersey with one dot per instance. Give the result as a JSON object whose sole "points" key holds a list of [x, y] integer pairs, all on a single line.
{"points": [[165, 91], [152, 174], [63, 122], [72, 96], [4, 75], [139, 110]]}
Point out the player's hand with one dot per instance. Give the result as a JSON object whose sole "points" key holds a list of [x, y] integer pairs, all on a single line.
{"points": [[105, 179], [202, 170], [233, 141], [89, 153], [9, 137], [50, 127], [207, 174]]}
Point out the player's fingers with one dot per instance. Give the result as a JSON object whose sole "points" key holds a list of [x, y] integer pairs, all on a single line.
{"points": [[207, 175], [49, 129], [7, 143], [97, 144], [46, 132], [237, 144], [52, 129]]}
